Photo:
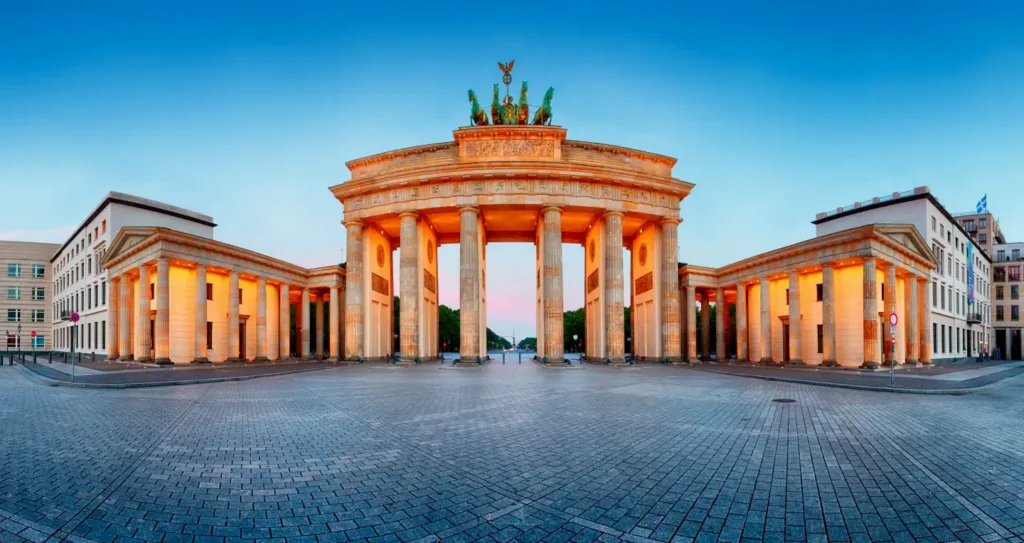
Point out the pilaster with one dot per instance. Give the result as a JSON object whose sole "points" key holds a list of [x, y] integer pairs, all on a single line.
{"points": [[721, 312], [142, 318]]}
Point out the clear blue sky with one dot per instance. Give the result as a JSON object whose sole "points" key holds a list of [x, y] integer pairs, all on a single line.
{"points": [[247, 112]]}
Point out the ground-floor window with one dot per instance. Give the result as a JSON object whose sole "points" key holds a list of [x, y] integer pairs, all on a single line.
{"points": [[821, 334], [942, 329], [103, 335], [209, 335]]}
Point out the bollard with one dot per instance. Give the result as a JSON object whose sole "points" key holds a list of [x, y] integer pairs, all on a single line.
{"points": [[33, 357], [502, 356]]}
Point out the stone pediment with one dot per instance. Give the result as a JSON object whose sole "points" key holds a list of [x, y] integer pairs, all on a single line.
{"points": [[908, 236], [125, 240]]}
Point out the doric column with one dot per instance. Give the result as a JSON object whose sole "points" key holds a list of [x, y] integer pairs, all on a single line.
{"points": [[124, 317], [303, 309], [284, 327], [162, 346], [354, 291], [890, 305], [319, 326], [870, 315], [742, 349], [142, 317], [691, 324], [705, 325], [334, 308], [766, 321], [469, 285], [721, 311], [409, 275], [795, 354], [200, 356], [614, 332], [113, 318], [925, 313], [233, 330], [261, 319], [671, 344], [911, 331], [554, 347], [828, 316]]}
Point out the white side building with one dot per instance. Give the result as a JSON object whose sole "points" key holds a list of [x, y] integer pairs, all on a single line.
{"points": [[961, 286], [1008, 281], [79, 282]]}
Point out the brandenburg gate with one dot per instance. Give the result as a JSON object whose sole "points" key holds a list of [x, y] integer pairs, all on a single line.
{"points": [[512, 182]]}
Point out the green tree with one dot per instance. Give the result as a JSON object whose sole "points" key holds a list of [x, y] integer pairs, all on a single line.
{"points": [[494, 341], [574, 323], [448, 328], [528, 344]]}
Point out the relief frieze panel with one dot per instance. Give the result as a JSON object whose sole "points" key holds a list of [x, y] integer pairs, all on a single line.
{"points": [[509, 148]]}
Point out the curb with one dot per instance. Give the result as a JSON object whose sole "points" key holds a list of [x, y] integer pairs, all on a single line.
{"points": [[78, 384], [869, 388]]}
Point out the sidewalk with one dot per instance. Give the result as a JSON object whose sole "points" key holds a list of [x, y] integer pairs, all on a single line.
{"points": [[957, 379], [59, 373]]}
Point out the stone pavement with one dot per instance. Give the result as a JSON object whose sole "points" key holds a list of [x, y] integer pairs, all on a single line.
{"points": [[58, 371], [931, 379], [507, 453]]}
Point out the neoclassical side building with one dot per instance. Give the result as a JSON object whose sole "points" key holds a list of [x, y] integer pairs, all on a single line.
{"points": [[524, 183], [177, 298]]}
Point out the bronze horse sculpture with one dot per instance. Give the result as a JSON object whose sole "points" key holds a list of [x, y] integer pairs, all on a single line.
{"points": [[543, 115], [477, 117]]}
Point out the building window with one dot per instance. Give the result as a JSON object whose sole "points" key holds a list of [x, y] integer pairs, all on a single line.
{"points": [[104, 291], [1014, 313], [820, 294], [152, 291], [38, 315], [935, 298], [13, 315], [1014, 295], [943, 306], [38, 293], [14, 270], [1013, 273], [12, 342], [949, 264], [949, 236], [999, 274], [88, 335], [209, 291], [1015, 254], [88, 298], [942, 330], [982, 238], [787, 296], [821, 336], [209, 335], [103, 226], [13, 293], [969, 225], [957, 340], [89, 268], [38, 271], [933, 223], [983, 222], [103, 335], [935, 330], [38, 342], [240, 295]]}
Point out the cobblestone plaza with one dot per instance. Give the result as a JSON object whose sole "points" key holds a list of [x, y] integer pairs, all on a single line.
{"points": [[506, 453]]}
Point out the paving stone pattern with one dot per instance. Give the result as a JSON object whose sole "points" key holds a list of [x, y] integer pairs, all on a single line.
{"points": [[506, 453]]}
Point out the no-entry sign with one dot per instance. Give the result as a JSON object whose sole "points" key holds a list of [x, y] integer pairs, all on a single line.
{"points": [[893, 319]]}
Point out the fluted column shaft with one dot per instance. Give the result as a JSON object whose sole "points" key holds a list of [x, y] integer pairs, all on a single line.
{"points": [[614, 332], [469, 285], [113, 318], [201, 354], [742, 347], [795, 330], [828, 316], [162, 345], [925, 309], [554, 348], [284, 327], [705, 325], [912, 331], [409, 275], [766, 321], [261, 318], [870, 314], [142, 317], [721, 312], [233, 329], [303, 309], [691, 324], [319, 326], [671, 344], [890, 304], [124, 316], [334, 308], [354, 315]]}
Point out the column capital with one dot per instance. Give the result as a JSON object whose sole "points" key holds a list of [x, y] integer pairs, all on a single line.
{"points": [[671, 220], [867, 259], [353, 222], [412, 214], [545, 210], [606, 214], [830, 265], [471, 209]]}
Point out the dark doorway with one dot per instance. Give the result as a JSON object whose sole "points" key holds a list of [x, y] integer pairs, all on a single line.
{"points": [[785, 342], [1015, 353], [970, 335], [241, 340], [152, 338], [1004, 353]]}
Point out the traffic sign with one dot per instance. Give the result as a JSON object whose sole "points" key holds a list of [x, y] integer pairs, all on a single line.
{"points": [[33, 333], [74, 317], [893, 319]]}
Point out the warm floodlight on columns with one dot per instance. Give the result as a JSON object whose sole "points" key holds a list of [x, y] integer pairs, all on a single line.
{"points": [[409, 275], [124, 316], [614, 342], [201, 341], [261, 319], [354, 316], [554, 314], [795, 330], [114, 317], [285, 321], [671, 344], [233, 319], [142, 319], [469, 286], [870, 318]]}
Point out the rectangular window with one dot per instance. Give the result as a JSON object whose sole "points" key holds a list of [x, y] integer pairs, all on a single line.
{"points": [[957, 340], [969, 225], [104, 291], [103, 334], [38, 293], [38, 271], [152, 291], [13, 293], [787, 296], [933, 223], [982, 238], [942, 230], [88, 335], [90, 266], [209, 291], [1013, 273], [38, 315], [820, 292], [935, 345], [1014, 294], [88, 298], [95, 335], [103, 226], [14, 270], [1014, 313], [942, 330], [999, 274], [1000, 256], [935, 297], [983, 223], [1015, 254], [240, 295], [821, 336], [943, 306], [209, 335], [13, 315], [39, 342]]}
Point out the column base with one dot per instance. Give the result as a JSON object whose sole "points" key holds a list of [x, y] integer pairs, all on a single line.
{"points": [[553, 361], [143, 359], [201, 361], [926, 362], [407, 361], [163, 362], [260, 359], [829, 364], [767, 361], [912, 362], [112, 357], [471, 360], [869, 365], [692, 360], [233, 361], [796, 362], [333, 359], [616, 361], [126, 358]]}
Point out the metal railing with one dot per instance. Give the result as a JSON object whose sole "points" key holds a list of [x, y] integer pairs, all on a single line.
{"points": [[974, 317], [876, 200]]}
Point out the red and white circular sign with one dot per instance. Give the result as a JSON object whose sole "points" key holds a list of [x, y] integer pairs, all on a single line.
{"points": [[74, 317], [893, 319], [33, 333]]}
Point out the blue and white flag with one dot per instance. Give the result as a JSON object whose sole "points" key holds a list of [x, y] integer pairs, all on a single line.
{"points": [[982, 204]]}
